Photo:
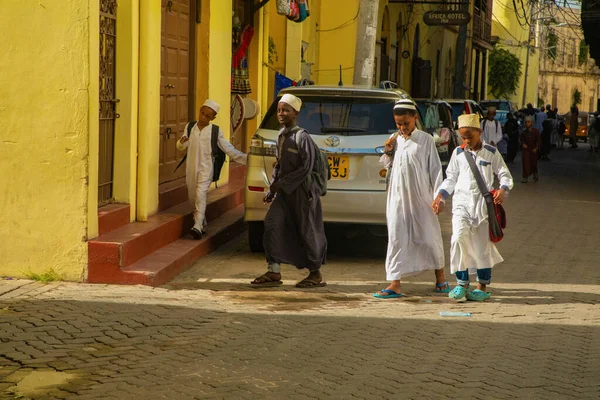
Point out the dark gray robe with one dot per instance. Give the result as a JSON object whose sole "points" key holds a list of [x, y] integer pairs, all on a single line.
{"points": [[294, 231]]}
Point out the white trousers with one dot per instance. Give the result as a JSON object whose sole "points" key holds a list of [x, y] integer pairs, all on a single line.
{"points": [[471, 247], [197, 197]]}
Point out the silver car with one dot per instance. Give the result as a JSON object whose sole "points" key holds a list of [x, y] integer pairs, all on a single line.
{"points": [[351, 124]]}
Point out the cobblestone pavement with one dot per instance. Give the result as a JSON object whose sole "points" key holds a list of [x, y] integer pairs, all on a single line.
{"points": [[208, 335]]}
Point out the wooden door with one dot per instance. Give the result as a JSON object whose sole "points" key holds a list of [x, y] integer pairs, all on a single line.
{"points": [[175, 92]]}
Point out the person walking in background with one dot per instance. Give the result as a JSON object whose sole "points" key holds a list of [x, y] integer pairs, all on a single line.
{"points": [[560, 134], [511, 128], [594, 133], [491, 128], [540, 117], [573, 125], [553, 117], [531, 142], [546, 140], [529, 110]]}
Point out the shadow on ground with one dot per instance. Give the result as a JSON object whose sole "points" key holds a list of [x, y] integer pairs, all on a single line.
{"points": [[120, 350]]}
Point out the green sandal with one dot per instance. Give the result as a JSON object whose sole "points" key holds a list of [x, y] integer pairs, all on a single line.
{"points": [[478, 295]]}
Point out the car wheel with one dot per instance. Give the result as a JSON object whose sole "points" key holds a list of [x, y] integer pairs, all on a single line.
{"points": [[256, 231]]}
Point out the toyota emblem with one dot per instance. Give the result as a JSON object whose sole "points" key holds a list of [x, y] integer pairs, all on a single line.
{"points": [[332, 141]]}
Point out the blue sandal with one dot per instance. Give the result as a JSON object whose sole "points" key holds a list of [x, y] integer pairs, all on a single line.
{"points": [[390, 294], [459, 293], [439, 287]]}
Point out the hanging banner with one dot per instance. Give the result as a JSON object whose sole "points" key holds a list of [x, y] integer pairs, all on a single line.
{"points": [[436, 18]]}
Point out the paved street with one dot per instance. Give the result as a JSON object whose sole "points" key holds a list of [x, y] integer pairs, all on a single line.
{"points": [[209, 335]]}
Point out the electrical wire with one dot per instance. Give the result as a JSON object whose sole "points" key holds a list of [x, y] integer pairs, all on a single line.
{"points": [[345, 24]]}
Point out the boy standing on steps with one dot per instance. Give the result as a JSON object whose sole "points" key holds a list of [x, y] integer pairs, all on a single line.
{"points": [[471, 248], [200, 158]]}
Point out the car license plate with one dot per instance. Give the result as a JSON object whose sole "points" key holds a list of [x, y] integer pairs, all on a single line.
{"points": [[339, 166]]}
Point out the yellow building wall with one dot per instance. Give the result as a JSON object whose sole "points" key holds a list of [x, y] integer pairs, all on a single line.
{"points": [[44, 159], [126, 127], [513, 37], [219, 67], [337, 41], [149, 109]]}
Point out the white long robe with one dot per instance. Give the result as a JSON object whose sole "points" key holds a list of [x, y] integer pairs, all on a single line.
{"points": [[199, 167], [414, 235], [470, 246]]}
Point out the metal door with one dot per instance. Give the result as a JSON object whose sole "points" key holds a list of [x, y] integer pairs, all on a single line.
{"points": [[175, 84], [108, 22]]}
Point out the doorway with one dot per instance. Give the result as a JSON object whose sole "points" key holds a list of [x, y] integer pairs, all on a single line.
{"points": [[176, 83]]}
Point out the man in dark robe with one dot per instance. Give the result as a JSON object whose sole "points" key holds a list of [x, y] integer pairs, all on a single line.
{"points": [[294, 231], [547, 128], [511, 128], [531, 141]]}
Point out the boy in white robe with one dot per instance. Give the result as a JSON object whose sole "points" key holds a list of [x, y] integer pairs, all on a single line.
{"points": [[199, 165], [414, 235], [471, 248]]}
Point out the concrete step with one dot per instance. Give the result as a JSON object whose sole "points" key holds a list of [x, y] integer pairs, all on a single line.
{"points": [[164, 264], [114, 251], [112, 217]]}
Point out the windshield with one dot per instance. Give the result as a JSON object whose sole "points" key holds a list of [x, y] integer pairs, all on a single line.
{"points": [[344, 116], [499, 105], [457, 109], [434, 113]]}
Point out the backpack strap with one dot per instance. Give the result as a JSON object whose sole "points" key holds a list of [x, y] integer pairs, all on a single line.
{"points": [[189, 128], [214, 139]]}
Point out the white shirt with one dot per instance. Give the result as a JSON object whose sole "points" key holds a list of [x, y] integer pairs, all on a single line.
{"points": [[468, 201], [199, 164], [491, 131]]}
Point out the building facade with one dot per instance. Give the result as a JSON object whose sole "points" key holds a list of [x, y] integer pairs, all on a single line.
{"points": [[565, 67]]}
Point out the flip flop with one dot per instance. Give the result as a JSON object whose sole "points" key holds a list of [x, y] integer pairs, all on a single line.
{"points": [[390, 294], [266, 281], [439, 287], [478, 295]]}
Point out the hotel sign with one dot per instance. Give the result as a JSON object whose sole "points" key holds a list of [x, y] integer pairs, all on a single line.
{"points": [[446, 18]]}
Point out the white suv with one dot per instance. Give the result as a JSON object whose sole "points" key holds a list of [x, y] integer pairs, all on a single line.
{"points": [[351, 125]]}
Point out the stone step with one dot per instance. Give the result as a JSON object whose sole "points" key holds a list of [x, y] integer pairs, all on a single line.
{"points": [[112, 217], [114, 251], [164, 264]]}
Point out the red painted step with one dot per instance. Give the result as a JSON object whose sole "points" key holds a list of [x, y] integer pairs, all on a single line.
{"points": [[164, 264], [111, 217], [113, 252]]}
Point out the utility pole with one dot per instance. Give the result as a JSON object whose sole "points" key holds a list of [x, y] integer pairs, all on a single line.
{"points": [[366, 37], [461, 52], [528, 50]]}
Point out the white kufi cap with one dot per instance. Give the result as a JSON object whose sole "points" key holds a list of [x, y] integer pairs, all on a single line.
{"points": [[469, 121], [292, 100], [405, 104], [213, 105]]}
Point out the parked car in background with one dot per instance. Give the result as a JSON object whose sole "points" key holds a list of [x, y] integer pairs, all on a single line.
{"points": [[351, 125], [463, 106], [437, 120], [503, 107]]}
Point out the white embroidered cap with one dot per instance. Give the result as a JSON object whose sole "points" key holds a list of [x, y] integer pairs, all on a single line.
{"points": [[212, 105], [292, 100], [405, 104], [469, 121]]}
